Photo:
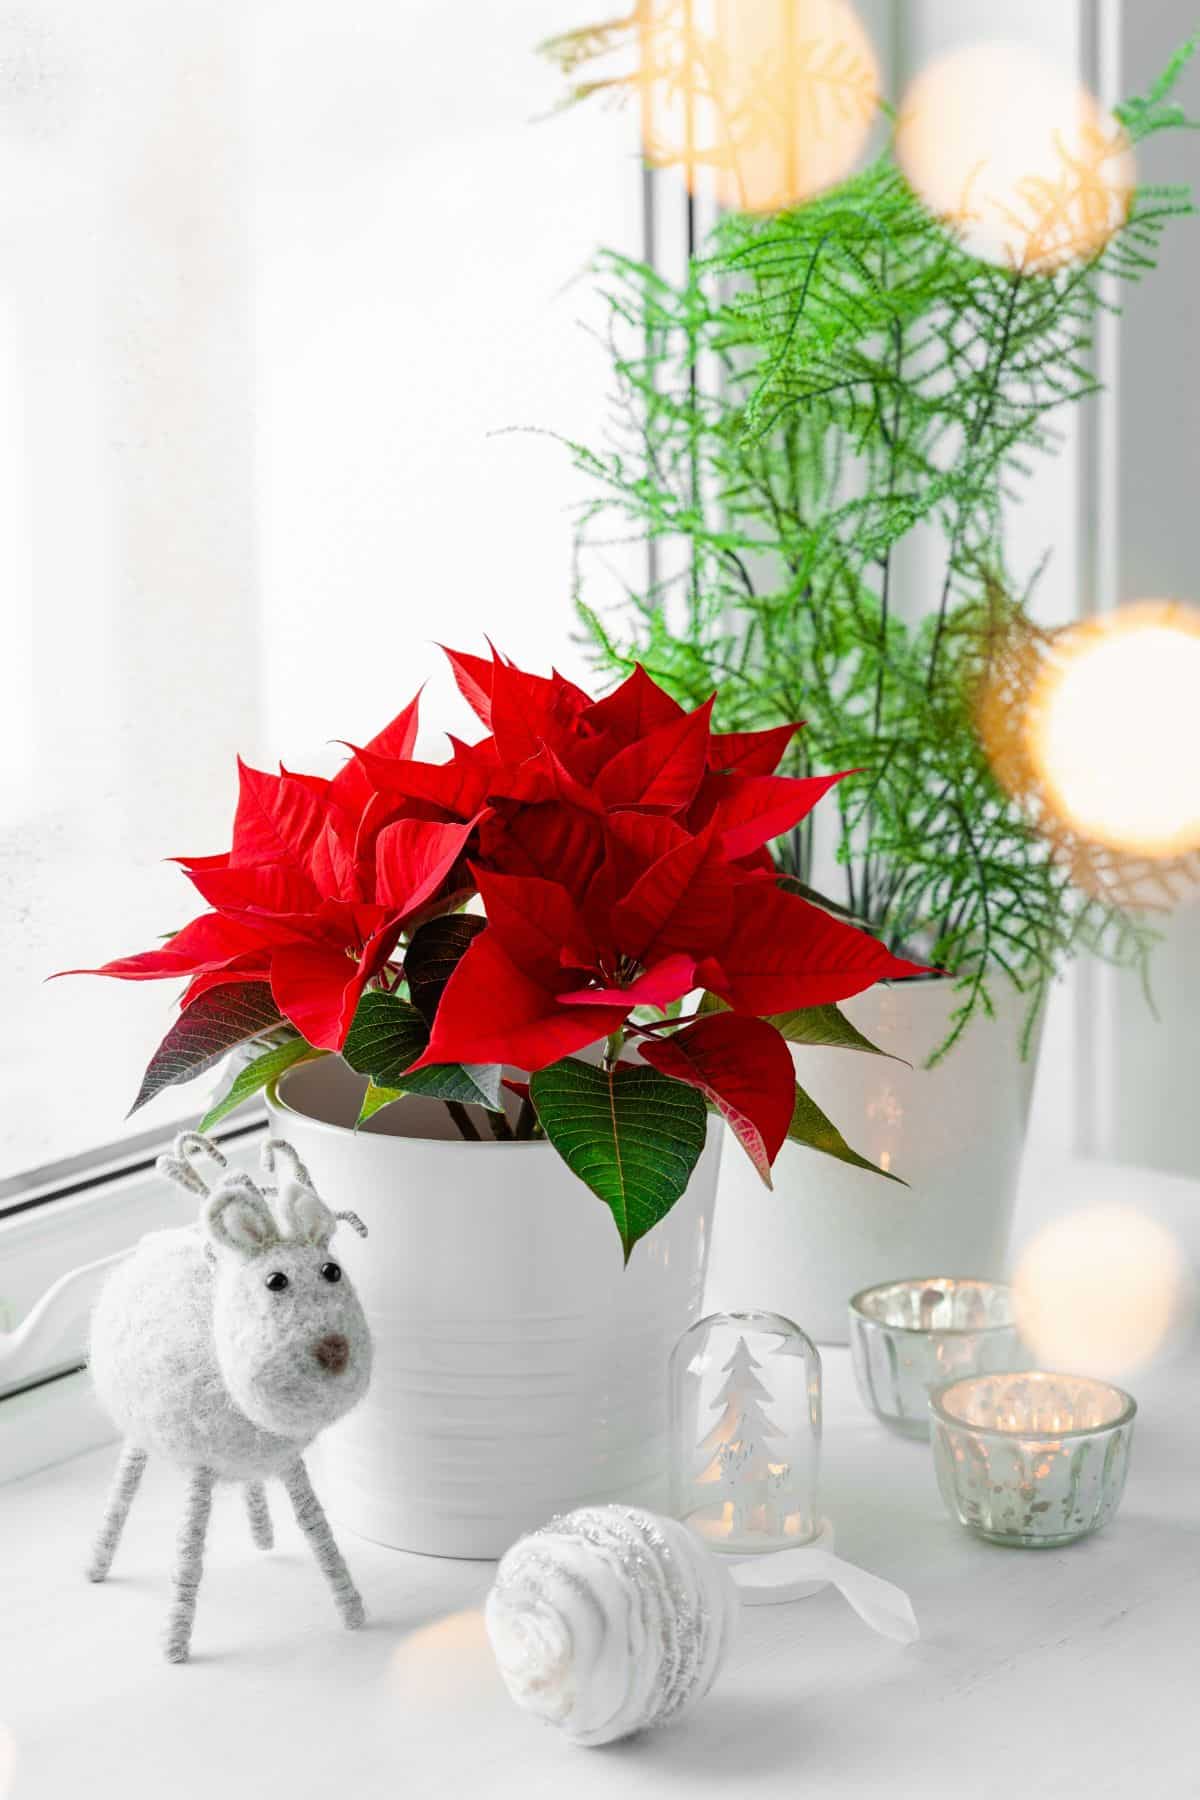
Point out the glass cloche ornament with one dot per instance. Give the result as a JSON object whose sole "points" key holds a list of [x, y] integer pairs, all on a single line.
{"points": [[746, 1432]]}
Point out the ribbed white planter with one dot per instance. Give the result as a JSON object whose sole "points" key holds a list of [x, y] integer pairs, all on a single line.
{"points": [[520, 1369], [955, 1133]]}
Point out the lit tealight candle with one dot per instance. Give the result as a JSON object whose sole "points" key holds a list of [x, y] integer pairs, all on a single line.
{"points": [[1032, 1459]]}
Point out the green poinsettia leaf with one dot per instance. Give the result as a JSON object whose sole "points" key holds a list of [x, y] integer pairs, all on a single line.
{"points": [[823, 1027], [374, 1100], [435, 952], [471, 1084], [387, 1036], [213, 1025], [826, 1027], [264, 1069], [634, 1136], [810, 1127]]}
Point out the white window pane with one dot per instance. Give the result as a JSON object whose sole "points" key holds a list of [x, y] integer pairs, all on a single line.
{"points": [[271, 272]]}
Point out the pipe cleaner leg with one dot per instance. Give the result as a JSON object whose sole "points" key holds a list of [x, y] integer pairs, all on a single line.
{"points": [[120, 1498], [189, 1564], [311, 1518], [259, 1514]]}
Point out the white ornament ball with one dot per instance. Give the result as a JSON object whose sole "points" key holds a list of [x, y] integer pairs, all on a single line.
{"points": [[609, 1620]]}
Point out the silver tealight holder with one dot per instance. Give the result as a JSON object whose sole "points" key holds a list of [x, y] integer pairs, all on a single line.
{"points": [[1034, 1459], [912, 1335]]}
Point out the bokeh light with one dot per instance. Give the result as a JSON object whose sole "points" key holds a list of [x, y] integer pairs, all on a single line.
{"points": [[1114, 729], [1102, 1291], [1094, 731], [767, 101], [1019, 160], [446, 1659]]}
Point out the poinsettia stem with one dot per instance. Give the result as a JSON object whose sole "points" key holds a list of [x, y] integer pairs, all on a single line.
{"points": [[501, 1129], [526, 1119], [462, 1119], [664, 1024], [613, 1049]]}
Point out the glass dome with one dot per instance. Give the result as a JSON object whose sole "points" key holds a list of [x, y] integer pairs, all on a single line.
{"points": [[746, 1432]]}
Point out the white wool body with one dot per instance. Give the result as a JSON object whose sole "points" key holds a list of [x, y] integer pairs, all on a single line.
{"points": [[226, 1348], [175, 1336]]}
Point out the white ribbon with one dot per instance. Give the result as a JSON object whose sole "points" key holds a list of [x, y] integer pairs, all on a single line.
{"points": [[791, 1574]]}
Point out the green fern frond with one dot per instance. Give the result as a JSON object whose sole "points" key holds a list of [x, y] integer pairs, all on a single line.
{"points": [[823, 386]]}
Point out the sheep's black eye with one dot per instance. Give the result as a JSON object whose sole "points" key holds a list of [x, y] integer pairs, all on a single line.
{"points": [[277, 1281], [331, 1271]]}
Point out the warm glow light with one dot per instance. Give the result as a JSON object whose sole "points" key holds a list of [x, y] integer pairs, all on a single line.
{"points": [[1015, 156], [1114, 729], [1101, 1291], [772, 100], [446, 1658]]}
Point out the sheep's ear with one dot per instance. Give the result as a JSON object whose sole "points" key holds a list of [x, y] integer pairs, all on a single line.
{"points": [[304, 1216], [237, 1218]]}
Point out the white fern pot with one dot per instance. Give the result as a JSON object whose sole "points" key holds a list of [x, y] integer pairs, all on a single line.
{"points": [[955, 1133], [520, 1370]]}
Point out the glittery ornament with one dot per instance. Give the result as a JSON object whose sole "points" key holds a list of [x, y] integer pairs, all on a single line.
{"points": [[610, 1620]]}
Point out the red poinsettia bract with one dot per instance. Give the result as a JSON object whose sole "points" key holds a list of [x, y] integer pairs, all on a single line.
{"points": [[620, 850]]}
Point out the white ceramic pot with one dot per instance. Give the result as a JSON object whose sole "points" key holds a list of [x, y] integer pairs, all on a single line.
{"points": [[520, 1369], [955, 1133]]}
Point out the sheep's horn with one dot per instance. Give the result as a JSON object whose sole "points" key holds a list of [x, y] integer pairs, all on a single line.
{"points": [[177, 1164], [355, 1223]]}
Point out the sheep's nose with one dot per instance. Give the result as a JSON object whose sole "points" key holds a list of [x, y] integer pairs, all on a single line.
{"points": [[332, 1352]]}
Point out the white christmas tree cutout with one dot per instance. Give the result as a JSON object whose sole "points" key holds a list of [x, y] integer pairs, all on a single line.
{"points": [[739, 1464]]}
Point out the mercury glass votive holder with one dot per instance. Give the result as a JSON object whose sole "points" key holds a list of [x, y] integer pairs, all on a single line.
{"points": [[1031, 1459], [909, 1336]]}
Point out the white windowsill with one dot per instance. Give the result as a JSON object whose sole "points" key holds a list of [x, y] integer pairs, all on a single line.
{"points": [[1060, 1672]]}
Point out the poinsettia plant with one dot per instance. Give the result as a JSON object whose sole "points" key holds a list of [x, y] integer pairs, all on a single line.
{"points": [[616, 852]]}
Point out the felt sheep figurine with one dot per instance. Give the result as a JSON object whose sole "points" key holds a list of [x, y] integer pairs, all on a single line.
{"points": [[227, 1346]]}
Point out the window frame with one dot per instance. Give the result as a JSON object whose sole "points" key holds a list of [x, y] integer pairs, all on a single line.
{"points": [[90, 1170]]}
